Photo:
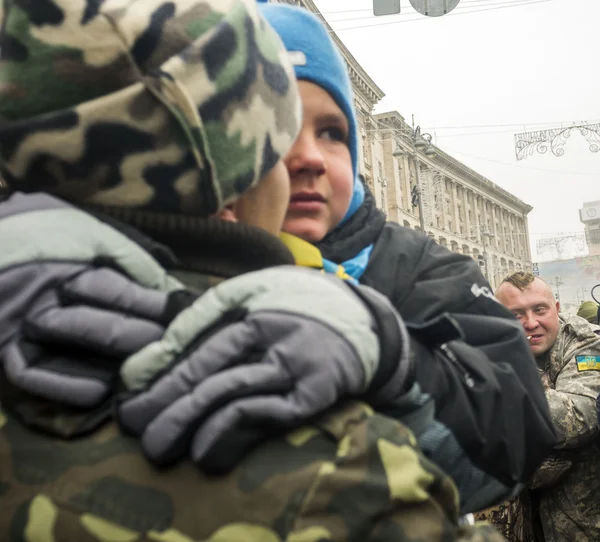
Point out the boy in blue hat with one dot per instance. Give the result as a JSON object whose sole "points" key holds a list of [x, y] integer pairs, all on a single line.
{"points": [[476, 375]]}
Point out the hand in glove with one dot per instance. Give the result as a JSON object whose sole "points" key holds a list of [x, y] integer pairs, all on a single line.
{"points": [[67, 321], [264, 351]]}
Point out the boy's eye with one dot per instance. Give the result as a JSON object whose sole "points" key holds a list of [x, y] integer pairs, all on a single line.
{"points": [[333, 133]]}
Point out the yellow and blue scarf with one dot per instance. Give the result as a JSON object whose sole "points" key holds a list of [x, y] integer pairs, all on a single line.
{"points": [[307, 255]]}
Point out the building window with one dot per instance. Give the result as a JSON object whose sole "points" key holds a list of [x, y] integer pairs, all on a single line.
{"points": [[366, 155], [384, 202]]}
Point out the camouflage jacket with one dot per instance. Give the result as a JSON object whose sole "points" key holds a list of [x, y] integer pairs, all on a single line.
{"points": [[353, 476], [563, 497]]}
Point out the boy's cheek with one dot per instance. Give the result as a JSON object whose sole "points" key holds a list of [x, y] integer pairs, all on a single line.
{"points": [[341, 183], [265, 204], [340, 204]]}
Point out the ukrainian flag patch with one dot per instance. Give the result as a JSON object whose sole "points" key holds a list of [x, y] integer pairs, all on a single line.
{"points": [[588, 363]]}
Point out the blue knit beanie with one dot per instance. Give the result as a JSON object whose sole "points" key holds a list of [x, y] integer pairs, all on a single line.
{"points": [[318, 60]]}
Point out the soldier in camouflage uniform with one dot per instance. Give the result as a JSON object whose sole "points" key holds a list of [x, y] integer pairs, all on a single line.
{"points": [[160, 114], [562, 501]]}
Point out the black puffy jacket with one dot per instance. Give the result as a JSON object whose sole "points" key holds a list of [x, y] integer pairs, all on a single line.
{"points": [[489, 424]]}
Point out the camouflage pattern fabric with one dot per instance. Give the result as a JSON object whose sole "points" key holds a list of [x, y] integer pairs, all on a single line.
{"points": [[354, 476], [167, 107], [566, 488], [573, 367], [510, 519]]}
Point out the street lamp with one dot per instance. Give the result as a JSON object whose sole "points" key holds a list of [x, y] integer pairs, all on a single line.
{"points": [[420, 142], [486, 235], [557, 282]]}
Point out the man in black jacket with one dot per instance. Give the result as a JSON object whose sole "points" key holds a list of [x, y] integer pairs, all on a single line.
{"points": [[476, 370]]}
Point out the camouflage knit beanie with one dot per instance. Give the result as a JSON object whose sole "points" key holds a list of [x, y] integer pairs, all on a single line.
{"points": [[160, 107], [589, 311]]}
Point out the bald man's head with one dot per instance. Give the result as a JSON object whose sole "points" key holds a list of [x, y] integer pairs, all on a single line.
{"points": [[523, 280], [531, 300]]}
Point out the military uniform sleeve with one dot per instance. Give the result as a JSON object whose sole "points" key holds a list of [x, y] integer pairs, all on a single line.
{"points": [[573, 400], [550, 472]]}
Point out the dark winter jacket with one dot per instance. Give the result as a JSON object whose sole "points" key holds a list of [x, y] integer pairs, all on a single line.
{"points": [[492, 424]]}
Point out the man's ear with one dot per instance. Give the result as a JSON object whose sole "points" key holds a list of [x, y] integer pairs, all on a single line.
{"points": [[558, 306]]}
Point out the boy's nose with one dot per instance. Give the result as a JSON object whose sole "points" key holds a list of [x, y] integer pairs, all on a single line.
{"points": [[305, 157]]}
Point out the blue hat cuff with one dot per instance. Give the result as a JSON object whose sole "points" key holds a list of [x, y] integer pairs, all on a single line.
{"points": [[358, 197], [302, 31]]}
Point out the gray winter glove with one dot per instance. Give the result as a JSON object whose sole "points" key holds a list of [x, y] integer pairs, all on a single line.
{"points": [[261, 352], [67, 320]]}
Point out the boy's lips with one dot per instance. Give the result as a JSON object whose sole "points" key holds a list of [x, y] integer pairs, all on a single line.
{"points": [[307, 202]]}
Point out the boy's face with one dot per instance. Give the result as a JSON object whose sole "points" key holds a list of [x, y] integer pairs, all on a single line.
{"points": [[320, 167], [265, 204]]}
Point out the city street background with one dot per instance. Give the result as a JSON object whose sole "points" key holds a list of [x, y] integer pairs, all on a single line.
{"points": [[488, 70]]}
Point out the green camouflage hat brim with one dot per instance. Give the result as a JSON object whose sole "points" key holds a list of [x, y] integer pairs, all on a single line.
{"points": [[174, 107]]}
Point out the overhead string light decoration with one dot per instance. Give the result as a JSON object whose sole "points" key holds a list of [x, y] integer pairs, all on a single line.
{"points": [[554, 140]]}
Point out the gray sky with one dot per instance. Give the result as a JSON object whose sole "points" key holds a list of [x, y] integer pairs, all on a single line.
{"points": [[524, 67]]}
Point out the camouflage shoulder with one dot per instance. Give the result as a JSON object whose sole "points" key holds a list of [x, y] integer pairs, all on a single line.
{"points": [[380, 486], [355, 475], [579, 329], [101, 488]]}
